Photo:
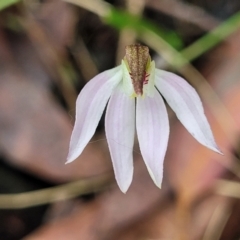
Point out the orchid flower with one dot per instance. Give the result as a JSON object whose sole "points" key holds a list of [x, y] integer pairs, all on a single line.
{"points": [[133, 94]]}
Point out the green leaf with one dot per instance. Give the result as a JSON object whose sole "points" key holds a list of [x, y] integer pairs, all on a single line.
{"points": [[122, 19], [6, 3]]}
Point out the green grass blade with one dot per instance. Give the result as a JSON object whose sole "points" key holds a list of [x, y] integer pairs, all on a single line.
{"points": [[6, 3]]}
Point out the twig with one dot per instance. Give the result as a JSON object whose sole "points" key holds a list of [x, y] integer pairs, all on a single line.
{"points": [[228, 188], [218, 221], [84, 60], [49, 57], [53, 194], [185, 12]]}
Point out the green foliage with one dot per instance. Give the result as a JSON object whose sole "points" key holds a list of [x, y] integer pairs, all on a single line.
{"points": [[6, 3], [212, 38], [122, 19]]}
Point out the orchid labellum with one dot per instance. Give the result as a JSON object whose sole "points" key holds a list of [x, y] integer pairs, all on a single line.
{"points": [[133, 94]]}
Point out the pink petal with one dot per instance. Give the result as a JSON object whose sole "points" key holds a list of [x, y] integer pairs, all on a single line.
{"points": [[185, 102], [153, 132], [120, 128], [89, 108]]}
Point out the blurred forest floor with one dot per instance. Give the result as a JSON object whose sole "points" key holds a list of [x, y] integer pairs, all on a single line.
{"points": [[48, 51]]}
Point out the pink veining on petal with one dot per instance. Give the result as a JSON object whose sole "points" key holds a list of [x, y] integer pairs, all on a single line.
{"points": [[89, 108], [153, 133], [185, 102], [120, 128]]}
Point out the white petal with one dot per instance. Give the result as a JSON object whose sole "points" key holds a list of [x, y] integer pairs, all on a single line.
{"points": [[185, 102], [120, 128], [153, 132], [89, 108]]}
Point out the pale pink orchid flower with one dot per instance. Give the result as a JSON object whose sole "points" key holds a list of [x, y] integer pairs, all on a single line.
{"points": [[133, 94]]}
